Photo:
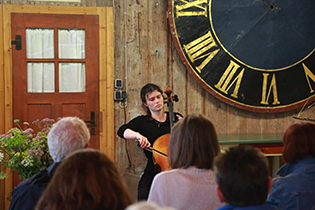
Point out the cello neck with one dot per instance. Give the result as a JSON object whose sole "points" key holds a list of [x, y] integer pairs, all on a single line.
{"points": [[171, 116]]}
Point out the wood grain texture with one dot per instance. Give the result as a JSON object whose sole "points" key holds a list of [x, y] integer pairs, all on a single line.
{"points": [[105, 66], [144, 52], [2, 105]]}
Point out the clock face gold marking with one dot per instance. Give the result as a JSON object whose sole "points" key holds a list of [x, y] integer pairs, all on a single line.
{"points": [[197, 50], [227, 77], [254, 55]]}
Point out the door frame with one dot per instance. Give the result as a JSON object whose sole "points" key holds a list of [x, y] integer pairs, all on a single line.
{"points": [[106, 74]]}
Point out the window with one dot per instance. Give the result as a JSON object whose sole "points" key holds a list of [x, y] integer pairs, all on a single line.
{"points": [[45, 66]]}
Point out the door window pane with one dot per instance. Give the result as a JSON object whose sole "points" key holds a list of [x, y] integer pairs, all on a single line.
{"points": [[39, 43], [71, 77], [71, 43], [40, 77]]}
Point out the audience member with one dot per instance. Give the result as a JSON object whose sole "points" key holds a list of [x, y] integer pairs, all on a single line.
{"points": [[191, 182], [66, 135], [296, 190], [86, 180], [144, 205], [243, 179]]}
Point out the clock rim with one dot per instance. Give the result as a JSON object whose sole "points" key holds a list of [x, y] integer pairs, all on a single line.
{"points": [[208, 88]]}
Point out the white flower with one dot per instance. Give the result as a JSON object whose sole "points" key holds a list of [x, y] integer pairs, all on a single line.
{"points": [[27, 161], [1, 157], [11, 163]]}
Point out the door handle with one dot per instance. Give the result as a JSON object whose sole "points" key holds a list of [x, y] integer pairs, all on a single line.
{"points": [[92, 121], [17, 42]]}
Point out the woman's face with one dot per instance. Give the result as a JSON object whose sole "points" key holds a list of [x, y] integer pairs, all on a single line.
{"points": [[154, 101]]}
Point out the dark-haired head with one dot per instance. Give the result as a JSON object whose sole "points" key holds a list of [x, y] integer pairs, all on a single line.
{"points": [[193, 142], [87, 179], [145, 90], [299, 142], [242, 176]]}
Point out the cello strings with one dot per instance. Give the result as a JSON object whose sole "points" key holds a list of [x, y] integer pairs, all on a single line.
{"points": [[151, 149]]}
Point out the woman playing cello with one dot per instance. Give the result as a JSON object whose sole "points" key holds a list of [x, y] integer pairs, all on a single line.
{"points": [[146, 129]]}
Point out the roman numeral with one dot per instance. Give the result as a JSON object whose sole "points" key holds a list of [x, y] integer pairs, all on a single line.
{"points": [[225, 82], [195, 50], [180, 8], [308, 75], [273, 87]]}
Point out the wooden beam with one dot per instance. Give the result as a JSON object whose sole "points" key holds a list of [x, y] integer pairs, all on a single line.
{"points": [[106, 81], [2, 105]]}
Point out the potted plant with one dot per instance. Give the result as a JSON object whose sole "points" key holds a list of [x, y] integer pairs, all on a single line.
{"points": [[25, 151]]}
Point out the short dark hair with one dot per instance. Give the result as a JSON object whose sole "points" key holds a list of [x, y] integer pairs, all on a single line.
{"points": [[299, 142], [193, 142], [148, 88], [242, 176]]}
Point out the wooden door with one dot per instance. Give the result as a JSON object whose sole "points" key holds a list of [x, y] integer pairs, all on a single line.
{"points": [[58, 97]]}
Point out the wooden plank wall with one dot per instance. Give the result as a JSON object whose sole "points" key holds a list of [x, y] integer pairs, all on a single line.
{"points": [[144, 53]]}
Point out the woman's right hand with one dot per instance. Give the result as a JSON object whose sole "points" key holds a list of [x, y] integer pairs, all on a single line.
{"points": [[143, 141]]}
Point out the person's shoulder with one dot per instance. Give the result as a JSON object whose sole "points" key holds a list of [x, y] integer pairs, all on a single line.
{"points": [[168, 174], [177, 113], [140, 118], [41, 179], [271, 206], [24, 185], [147, 205], [163, 178], [284, 180], [27, 193], [265, 206]]}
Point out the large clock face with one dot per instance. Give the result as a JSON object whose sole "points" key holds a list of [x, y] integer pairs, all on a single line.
{"points": [[256, 55]]}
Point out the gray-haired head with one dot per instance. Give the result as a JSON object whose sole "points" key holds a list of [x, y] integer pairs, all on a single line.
{"points": [[66, 136]]}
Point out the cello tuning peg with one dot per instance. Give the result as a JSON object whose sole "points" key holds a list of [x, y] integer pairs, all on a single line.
{"points": [[175, 98]]}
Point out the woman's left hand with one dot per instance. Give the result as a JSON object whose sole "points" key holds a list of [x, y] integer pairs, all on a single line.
{"points": [[179, 117]]}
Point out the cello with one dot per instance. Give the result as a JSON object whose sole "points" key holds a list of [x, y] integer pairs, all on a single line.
{"points": [[159, 148]]}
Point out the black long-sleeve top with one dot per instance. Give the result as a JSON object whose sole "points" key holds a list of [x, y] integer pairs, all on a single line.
{"points": [[149, 128]]}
